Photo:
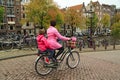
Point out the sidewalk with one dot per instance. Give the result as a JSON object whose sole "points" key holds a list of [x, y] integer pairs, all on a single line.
{"points": [[8, 54], [101, 48]]}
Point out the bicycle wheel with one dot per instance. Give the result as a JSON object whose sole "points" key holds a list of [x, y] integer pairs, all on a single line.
{"points": [[41, 67], [33, 46], [7, 45], [73, 59]]}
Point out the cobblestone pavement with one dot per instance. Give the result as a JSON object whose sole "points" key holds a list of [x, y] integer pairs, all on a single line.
{"points": [[15, 53], [102, 65]]}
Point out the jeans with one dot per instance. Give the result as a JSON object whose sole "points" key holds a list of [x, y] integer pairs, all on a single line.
{"points": [[47, 51]]}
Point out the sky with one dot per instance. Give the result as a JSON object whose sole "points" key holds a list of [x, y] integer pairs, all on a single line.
{"points": [[67, 3]]}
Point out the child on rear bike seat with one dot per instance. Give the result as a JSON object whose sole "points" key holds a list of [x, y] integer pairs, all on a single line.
{"points": [[43, 45]]}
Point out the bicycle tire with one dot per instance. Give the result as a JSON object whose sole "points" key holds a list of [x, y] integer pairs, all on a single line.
{"points": [[73, 59], [32, 45], [40, 67], [7, 45]]}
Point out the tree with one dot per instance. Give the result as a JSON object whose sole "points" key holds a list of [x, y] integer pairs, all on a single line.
{"points": [[94, 22], [116, 18], [105, 20], [1, 14], [74, 19], [115, 33], [36, 11], [42, 11], [54, 13], [115, 28]]}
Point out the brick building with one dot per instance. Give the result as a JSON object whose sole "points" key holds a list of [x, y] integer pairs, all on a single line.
{"points": [[12, 16], [27, 27]]}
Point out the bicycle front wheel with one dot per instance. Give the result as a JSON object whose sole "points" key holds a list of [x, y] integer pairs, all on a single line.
{"points": [[73, 59], [40, 67]]}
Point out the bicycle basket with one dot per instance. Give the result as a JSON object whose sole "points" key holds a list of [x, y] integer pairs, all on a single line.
{"points": [[71, 44]]}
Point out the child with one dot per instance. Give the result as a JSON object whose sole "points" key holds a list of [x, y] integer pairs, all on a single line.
{"points": [[42, 44]]}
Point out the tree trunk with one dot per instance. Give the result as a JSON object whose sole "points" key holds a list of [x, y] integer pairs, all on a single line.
{"points": [[106, 44], [114, 44]]}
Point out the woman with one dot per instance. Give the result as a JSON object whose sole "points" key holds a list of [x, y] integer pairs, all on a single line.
{"points": [[53, 35]]}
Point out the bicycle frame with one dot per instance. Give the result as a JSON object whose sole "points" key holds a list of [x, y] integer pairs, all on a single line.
{"points": [[64, 53]]}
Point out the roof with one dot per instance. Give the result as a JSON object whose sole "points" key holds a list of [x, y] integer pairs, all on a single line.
{"points": [[95, 3], [76, 7]]}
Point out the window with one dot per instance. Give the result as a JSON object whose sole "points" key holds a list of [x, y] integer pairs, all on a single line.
{"points": [[17, 10], [2, 2], [10, 11], [11, 19], [23, 15], [17, 19], [77, 11], [1, 27], [30, 31], [83, 10], [17, 2], [27, 24], [10, 2], [23, 0], [97, 7], [23, 8], [11, 27]]}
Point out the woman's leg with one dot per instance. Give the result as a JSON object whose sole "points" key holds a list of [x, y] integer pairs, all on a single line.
{"points": [[59, 52]]}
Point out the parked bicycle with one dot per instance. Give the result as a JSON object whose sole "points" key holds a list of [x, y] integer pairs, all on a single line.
{"points": [[72, 60], [6, 42], [19, 43], [29, 43]]}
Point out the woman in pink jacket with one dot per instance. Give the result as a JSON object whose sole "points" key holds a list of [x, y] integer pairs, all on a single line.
{"points": [[53, 35]]}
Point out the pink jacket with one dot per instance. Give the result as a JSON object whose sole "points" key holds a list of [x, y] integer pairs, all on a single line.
{"points": [[42, 43], [53, 35]]}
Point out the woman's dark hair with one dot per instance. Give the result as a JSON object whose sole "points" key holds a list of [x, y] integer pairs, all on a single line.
{"points": [[53, 23]]}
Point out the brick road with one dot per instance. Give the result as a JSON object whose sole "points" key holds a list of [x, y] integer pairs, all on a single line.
{"points": [[102, 65]]}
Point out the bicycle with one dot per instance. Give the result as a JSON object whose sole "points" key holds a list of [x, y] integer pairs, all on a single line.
{"points": [[6, 42], [28, 43], [72, 60]]}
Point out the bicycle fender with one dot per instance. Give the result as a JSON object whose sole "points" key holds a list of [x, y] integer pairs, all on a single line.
{"points": [[67, 56], [37, 58]]}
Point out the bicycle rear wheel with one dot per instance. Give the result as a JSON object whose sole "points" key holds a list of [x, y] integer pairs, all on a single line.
{"points": [[40, 66], [73, 59], [32, 44], [7, 44]]}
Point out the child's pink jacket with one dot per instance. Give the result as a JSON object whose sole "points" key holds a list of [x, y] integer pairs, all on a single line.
{"points": [[42, 43], [53, 35]]}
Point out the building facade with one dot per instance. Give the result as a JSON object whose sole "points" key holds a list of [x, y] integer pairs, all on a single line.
{"points": [[27, 27], [12, 16], [79, 9]]}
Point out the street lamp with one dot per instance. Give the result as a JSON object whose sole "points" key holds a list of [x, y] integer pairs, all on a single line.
{"points": [[91, 17], [90, 28]]}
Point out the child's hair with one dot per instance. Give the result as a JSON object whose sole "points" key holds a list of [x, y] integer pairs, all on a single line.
{"points": [[41, 31]]}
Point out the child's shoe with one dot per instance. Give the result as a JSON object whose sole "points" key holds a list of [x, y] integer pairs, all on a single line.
{"points": [[47, 60]]}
